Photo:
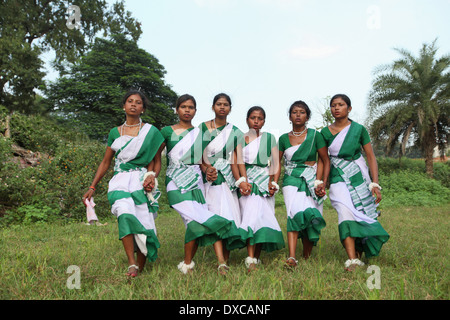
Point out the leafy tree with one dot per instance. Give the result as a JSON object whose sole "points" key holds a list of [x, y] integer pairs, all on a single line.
{"points": [[89, 96], [410, 100], [325, 112], [30, 28]]}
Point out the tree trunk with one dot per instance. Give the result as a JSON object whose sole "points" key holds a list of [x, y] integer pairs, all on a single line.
{"points": [[429, 165], [8, 129], [429, 150]]}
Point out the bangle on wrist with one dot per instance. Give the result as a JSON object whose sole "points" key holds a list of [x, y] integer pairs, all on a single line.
{"points": [[275, 185], [317, 183], [374, 185], [238, 182], [149, 173], [91, 187]]}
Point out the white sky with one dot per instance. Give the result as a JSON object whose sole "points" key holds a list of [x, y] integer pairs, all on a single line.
{"points": [[273, 52]]}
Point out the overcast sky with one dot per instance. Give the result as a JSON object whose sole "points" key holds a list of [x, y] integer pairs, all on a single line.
{"points": [[274, 52]]}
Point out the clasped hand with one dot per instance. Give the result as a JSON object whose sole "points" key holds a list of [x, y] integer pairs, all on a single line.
{"points": [[211, 174], [245, 188], [149, 183], [320, 190]]}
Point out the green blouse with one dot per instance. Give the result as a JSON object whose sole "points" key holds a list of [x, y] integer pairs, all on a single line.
{"points": [[351, 147], [194, 156]]}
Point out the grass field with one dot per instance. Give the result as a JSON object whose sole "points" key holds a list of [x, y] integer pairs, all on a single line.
{"points": [[414, 264]]}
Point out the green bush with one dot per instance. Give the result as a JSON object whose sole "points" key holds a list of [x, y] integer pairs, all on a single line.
{"points": [[58, 183], [5, 149], [386, 166], [412, 188], [32, 214], [76, 166], [43, 134]]}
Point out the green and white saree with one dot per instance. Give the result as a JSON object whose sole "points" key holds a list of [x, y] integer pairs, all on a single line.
{"points": [[221, 196], [259, 224], [126, 195], [304, 208], [349, 189], [185, 189]]}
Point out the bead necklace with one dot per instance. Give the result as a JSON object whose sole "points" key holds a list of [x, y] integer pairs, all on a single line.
{"points": [[125, 142], [131, 126], [298, 134]]}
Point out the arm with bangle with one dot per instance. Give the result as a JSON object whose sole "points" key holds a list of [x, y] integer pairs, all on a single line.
{"points": [[274, 170], [374, 187], [153, 170], [240, 173], [323, 171]]}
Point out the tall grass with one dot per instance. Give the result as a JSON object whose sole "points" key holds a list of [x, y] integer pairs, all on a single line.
{"points": [[414, 263]]}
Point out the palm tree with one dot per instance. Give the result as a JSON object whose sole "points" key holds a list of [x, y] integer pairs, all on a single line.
{"points": [[410, 102]]}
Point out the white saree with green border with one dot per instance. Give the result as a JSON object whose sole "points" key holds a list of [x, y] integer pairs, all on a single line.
{"points": [[129, 203], [221, 195], [350, 195], [304, 208], [185, 188], [259, 224]]}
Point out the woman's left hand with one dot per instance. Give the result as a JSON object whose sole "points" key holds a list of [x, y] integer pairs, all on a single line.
{"points": [[376, 193]]}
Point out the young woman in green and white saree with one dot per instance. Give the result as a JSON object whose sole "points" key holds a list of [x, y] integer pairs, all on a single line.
{"points": [[134, 146], [351, 190], [259, 227], [303, 187], [185, 190], [223, 138]]}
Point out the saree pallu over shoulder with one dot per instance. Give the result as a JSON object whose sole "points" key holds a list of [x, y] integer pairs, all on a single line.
{"points": [[259, 224], [185, 191], [133, 153], [304, 208], [184, 176], [256, 156], [220, 194], [356, 208], [126, 195], [354, 171], [295, 158], [220, 150]]}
